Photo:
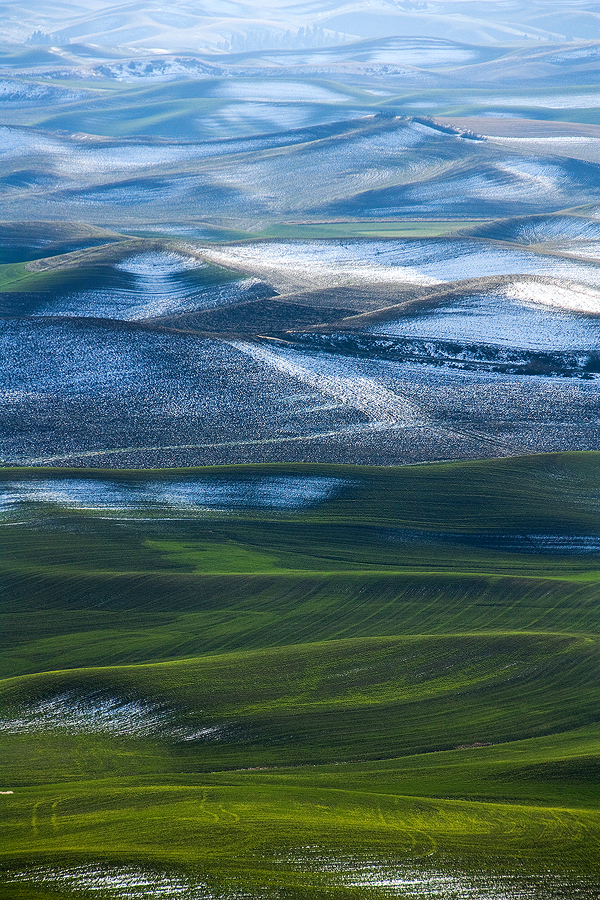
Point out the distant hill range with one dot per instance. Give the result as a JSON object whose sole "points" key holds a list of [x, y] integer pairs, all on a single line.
{"points": [[271, 24]]}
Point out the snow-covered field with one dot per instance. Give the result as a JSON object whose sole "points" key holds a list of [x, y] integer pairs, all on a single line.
{"points": [[581, 249], [78, 158], [579, 100], [336, 262], [578, 545], [116, 883], [521, 315], [72, 714], [572, 298], [74, 392], [339, 380], [101, 713], [571, 230], [185, 497], [514, 181], [23, 94], [379, 878], [129, 883], [440, 885], [154, 284]]}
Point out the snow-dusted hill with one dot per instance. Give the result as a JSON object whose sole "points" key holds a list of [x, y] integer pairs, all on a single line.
{"points": [[245, 25]]}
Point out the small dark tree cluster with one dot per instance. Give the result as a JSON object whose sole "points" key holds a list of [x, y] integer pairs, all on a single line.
{"points": [[304, 38], [39, 37]]}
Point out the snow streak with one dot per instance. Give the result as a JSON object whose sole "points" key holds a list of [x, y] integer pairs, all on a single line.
{"points": [[382, 406]]}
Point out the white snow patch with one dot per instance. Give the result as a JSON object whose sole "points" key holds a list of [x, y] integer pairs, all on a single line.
{"points": [[329, 263], [544, 139], [544, 101], [537, 176], [382, 406], [71, 714], [321, 263], [97, 713], [185, 497], [400, 881], [521, 315], [575, 297], [120, 883], [581, 249]]}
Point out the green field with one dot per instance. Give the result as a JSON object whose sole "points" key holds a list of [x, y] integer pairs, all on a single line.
{"points": [[375, 682], [357, 229]]}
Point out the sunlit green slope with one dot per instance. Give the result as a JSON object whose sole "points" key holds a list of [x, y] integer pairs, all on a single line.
{"points": [[271, 701]]}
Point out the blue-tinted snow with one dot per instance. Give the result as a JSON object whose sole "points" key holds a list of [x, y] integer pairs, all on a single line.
{"points": [[494, 318], [188, 496], [86, 394], [158, 286], [330, 262]]}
